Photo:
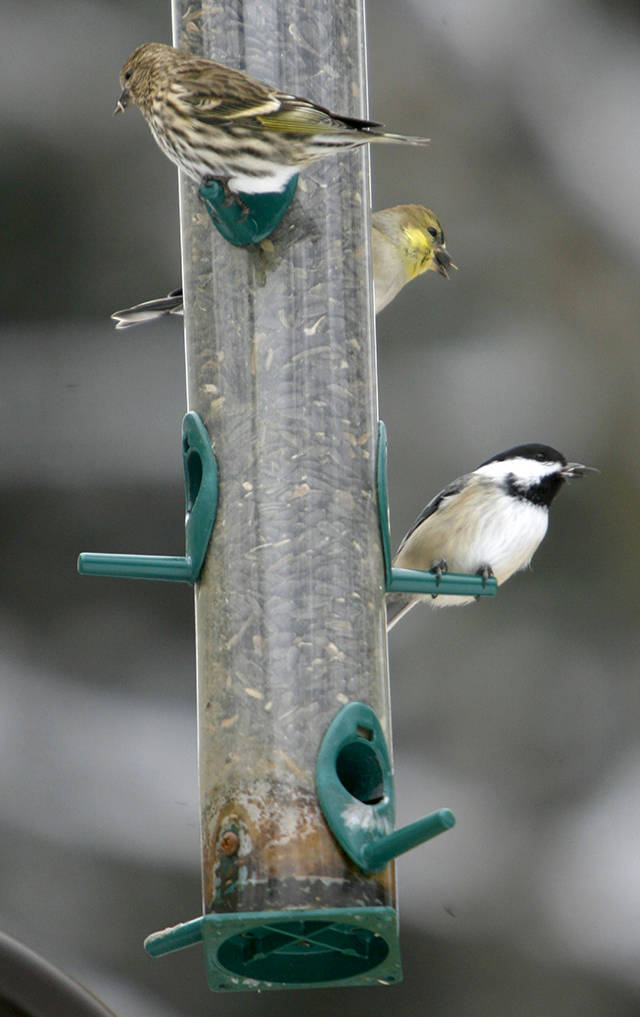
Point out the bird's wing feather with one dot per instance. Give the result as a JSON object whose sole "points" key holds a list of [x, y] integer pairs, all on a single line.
{"points": [[221, 93], [453, 488], [217, 93], [300, 116]]}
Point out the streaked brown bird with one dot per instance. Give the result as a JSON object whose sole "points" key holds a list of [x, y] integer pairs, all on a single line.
{"points": [[217, 122], [406, 241]]}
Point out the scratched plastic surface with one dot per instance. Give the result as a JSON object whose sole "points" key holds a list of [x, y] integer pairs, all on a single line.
{"points": [[281, 368]]}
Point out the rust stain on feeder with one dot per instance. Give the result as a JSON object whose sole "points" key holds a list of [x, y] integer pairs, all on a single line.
{"points": [[270, 847]]}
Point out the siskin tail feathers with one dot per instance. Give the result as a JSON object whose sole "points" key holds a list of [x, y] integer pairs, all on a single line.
{"points": [[372, 130], [397, 139]]}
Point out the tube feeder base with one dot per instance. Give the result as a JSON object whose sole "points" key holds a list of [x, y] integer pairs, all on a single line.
{"points": [[325, 948]]}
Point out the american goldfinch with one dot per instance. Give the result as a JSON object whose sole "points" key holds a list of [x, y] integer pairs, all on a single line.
{"points": [[406, 241]]}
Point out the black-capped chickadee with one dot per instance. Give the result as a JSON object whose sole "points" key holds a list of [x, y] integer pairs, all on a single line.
{"points": [[488, 522]]}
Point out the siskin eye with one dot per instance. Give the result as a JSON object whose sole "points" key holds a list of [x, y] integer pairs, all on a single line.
{"points": [[432, 231]]}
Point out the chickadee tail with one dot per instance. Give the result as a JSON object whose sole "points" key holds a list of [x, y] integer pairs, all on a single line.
{"points": [[397, 606], [150, 310]]}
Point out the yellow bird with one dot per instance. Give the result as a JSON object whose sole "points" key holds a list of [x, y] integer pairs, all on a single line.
{"points": [[406, 241]]}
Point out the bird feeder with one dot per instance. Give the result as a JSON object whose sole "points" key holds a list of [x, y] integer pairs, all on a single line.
{"points": [[285, 481], [290, 605]]}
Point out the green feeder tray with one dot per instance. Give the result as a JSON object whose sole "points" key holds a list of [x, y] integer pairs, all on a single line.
{"points": [[326, 948]]}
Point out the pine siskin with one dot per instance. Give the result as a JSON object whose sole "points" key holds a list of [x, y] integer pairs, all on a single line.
{"points": [[217, 122], [406, 241]]}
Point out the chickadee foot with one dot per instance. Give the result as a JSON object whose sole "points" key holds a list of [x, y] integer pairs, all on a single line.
{"points": [[439, 567], [486, 572]]}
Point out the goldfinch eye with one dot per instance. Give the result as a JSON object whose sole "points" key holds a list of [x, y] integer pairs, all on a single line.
{"points": [[432, 231]]}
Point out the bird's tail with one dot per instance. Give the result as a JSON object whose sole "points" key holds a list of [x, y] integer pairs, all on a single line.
{"points": [[150, 310], [372, 130], [396, 139], [397, 606]]}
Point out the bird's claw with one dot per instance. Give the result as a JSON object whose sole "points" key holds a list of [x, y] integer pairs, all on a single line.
{"points": [[244, 213], [439, 567], [230, 197], [486, 572]]}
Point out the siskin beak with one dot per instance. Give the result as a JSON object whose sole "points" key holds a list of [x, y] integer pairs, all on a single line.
{"points": [[121, 104], [577, 470], [443, 261]]}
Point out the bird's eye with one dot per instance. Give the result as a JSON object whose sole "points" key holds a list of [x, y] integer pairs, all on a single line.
{"points": [[127, 75], [432, 231]]}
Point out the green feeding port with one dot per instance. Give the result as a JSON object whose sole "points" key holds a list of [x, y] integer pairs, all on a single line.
{"points": [[201, 499], [359, 771], [354, 781], [249, 218], [192, 473]]}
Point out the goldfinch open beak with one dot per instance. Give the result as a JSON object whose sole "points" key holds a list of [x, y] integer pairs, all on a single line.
{"points": [[121, 104], [577, 470], [443, 261]]}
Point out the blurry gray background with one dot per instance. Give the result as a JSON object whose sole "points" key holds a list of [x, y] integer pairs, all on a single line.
{"points": [[521, 714]]}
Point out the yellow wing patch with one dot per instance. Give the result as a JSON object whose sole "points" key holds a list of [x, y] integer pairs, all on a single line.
{"points": [[298, 120]]}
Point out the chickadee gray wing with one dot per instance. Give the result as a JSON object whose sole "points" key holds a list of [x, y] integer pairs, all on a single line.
{"points": [[399, 603], [447, 492]]}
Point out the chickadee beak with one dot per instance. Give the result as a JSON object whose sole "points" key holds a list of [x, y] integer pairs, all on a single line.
{"points": [[443, 261], [577, 470], [121, 104]]}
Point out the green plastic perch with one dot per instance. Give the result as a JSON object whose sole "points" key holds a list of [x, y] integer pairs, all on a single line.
{"points": [[413, 580], [201, 498]]}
